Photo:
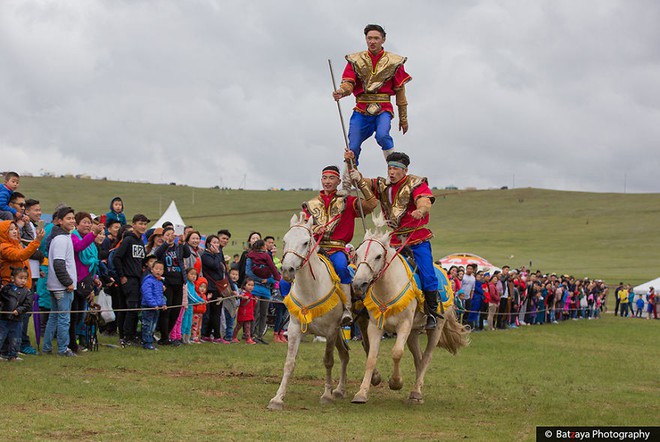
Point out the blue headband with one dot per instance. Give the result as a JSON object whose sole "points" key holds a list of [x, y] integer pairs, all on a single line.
{"points": [[397, 164]]}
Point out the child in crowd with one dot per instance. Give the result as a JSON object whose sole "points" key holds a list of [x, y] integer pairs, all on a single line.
{"points": [[15, 301], [245, 312], [190, 293], [116, 211], [149, 262], [261, 261], [12, 181], [459, 303], [152, 296], [540, 308], [640, 306], [201, 285], [599, 303], [230, 306]]}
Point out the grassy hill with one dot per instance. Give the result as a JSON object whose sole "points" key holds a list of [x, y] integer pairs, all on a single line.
{"points": [[600, 235]]}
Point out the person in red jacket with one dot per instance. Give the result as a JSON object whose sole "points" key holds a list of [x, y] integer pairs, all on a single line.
{"points": [[494, 301], [245, 314]]}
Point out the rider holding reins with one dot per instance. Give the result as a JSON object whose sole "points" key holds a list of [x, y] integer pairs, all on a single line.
{"points": [[406, 202]]}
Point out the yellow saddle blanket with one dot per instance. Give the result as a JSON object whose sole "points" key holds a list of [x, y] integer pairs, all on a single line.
{"points": [[306, 313], [382, 311]]}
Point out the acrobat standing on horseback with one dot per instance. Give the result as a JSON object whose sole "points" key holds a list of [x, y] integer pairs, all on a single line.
{"points": [[334, 224], [373, 76], [406, 202]]}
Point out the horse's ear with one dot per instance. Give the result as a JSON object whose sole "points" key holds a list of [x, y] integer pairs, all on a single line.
{"points": [[294, 220], [386, 239], [379, 219]]}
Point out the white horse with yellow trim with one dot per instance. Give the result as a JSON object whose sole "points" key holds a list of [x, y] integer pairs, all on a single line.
{"points": [[395, 304], [315, 303]]}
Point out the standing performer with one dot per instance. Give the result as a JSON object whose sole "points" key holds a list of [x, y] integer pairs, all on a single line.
{"points": [[406, 202], [373, 76], [334, 219]]}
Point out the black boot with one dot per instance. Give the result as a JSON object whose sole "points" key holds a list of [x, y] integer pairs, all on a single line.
{"points": [[431, 308]]}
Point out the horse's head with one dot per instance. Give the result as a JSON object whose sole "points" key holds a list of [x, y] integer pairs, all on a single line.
{"points": [[371, 257], [298, 243]]}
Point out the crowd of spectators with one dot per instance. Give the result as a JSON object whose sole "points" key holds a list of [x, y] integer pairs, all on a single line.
{"points": [[165, 288], [171, 289]]}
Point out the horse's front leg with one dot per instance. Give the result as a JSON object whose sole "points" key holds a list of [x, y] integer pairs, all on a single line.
{"points": [[295, 335], [363, 324], [342, 349], [402, 333], [413, 346], [329, 362], [433, 337], [375, 335]]}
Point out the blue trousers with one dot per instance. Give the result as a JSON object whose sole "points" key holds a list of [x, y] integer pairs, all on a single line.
{"points": [[149, 322], [424, 259], [11, 332], [340, 263], [58, 323], [363, 126], [229, 325]]}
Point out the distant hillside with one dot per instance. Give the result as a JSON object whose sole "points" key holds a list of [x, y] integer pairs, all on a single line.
{"points": [[611, 236]]}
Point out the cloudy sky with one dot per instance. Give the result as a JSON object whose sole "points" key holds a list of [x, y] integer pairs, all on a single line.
{"points": [[552, 94]]}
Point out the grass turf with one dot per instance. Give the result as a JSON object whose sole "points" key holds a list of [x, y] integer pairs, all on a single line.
{"points": [[599, 372]]}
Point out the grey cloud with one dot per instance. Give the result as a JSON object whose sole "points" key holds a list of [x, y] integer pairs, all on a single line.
{"points": [[560, 94]]}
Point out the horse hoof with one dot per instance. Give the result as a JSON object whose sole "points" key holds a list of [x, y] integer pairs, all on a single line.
{"points": [[395, 384], [359, 399], [415, 398], [275, 405], [337, 394], [376, 379], [325, 400]]}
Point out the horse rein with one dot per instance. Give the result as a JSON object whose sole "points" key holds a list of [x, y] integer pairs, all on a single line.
{"points": [[387, 264]]}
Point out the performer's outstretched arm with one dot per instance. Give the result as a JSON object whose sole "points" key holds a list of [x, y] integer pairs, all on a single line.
{"points": [[402, 105], [369, 202]]}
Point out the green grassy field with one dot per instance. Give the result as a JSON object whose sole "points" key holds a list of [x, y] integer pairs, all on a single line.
{"points": [[609, 236], [600, 372], [500, 388]]}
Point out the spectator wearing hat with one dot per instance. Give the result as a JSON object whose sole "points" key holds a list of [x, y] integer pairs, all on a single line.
{"points": [[155, 240], [128, 264]]}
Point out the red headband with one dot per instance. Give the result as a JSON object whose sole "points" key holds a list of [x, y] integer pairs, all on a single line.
{"points": [[330, 171]]}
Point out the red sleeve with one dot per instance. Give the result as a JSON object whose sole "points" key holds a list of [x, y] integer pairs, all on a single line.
{"points": [[422, 190], [401, 77], [352, 207], [349, 74]]}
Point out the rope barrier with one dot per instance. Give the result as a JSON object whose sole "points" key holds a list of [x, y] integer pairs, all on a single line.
{"points": [[141, 309], [528, 312], [258, 299]]}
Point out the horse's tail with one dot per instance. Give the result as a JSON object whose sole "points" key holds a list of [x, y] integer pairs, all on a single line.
{"points": [[454, 336]]}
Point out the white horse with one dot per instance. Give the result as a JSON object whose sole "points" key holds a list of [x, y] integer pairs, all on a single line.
{"points": [[385, 277], [315, 306]]}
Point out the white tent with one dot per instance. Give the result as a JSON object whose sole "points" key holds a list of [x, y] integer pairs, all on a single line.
{"points": [[644, 288], [172, 215]]}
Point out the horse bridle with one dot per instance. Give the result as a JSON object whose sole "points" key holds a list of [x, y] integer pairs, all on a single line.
{"points": [[364, 261], [387, 264], [316, 243], [305, 259]]}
